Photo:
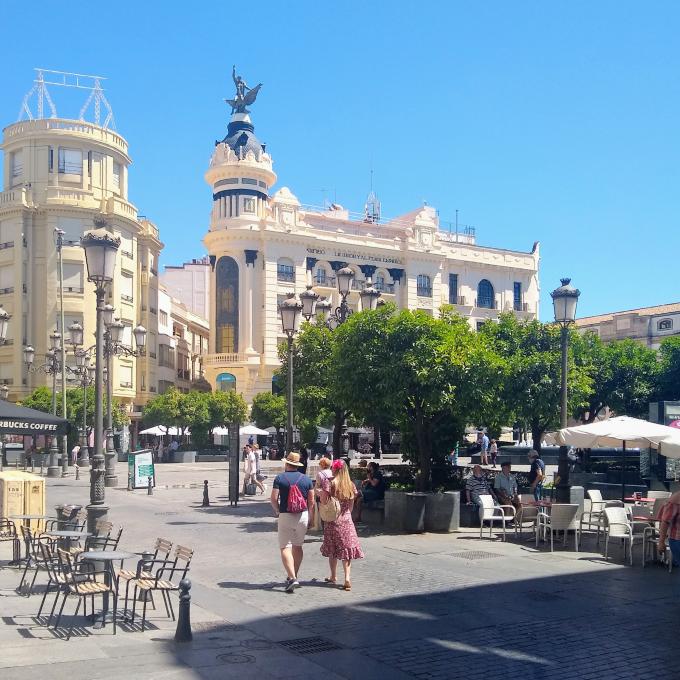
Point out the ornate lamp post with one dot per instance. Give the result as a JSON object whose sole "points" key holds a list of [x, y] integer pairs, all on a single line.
{"points": [[52, 366], [290, 320], [113, 346], [309, 299], [565, 299], [86, 372], [4, 323], [4, 393], [369, 297], [100, 255]]}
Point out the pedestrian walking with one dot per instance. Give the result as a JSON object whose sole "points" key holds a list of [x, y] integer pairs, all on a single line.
{"points": [[340, 541], [484, 443], [292, 499], [536, 474], [74, 454], [493, 452]]}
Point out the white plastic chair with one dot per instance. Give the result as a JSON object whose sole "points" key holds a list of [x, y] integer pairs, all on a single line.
{"points": [[650, 538], [488, 512], [658, 494], [563, 517], [619, 526], [528, 513]]}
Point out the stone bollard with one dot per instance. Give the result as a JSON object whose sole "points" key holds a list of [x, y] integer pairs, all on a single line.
{"points": [[149, 488], [206, 499], [183, 632], [77, 472]]}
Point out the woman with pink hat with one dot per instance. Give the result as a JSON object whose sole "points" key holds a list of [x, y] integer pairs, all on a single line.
{"points": [[340, 541]]}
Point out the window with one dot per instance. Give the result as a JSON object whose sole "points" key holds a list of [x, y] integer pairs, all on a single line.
{"points": [[72, 228], [17, 164], [247, 180], [126, 282], [7, 279], [166, 356], [125, 373], [163, 318], [116, 176], [320, 276], [226, 305], [226, 382], [249, 205], [424, 286], [126, 244], [70, 161], [73, 277], [517, 296], [665, 325], [285, 272], [151, 344], [485, 295], [380, 282], [126, 338], [164, 386], [453, 289]]}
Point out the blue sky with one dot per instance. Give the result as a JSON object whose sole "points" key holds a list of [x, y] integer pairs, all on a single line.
{"points": [[555, 122]]}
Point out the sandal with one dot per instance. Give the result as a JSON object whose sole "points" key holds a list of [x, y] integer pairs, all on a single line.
{"points": [[347, 586], [331, 581]]}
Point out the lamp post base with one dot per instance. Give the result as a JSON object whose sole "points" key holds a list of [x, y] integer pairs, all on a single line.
{"points": [[110, 481], [95, 513], [54, 471]]}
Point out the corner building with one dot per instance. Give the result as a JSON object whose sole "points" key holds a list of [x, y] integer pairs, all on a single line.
{"points": [[263, 246]]}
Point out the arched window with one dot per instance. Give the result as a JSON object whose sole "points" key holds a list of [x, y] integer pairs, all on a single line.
{"points": [[285, 270], [226, 305], [665, 325], [424, 286], [226, 382], [320, 275], [485, 295]]}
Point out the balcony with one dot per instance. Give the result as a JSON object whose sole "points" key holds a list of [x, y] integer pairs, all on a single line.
{"points": [[126, 253], [183, 374], [486, 303], [384, 287], [424, 291], [224, 358], [324, 281], [6, 291], [8, 244], [459, 300], [125, 384], [126, 298], [285, 276]]}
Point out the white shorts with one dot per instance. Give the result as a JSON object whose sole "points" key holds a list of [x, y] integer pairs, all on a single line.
{"points": [[292, 528]]}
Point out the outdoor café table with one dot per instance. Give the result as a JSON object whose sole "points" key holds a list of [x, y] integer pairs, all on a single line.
{"points": [[632, 499], [26, 520], [68, 537], [108, 557]]}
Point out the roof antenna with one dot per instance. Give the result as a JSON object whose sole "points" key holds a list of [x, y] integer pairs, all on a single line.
{"points": [[372, 206]]}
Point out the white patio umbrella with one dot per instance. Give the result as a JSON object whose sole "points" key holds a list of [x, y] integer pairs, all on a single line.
{"points": [[251, 429], [624, 431], [161, 430]]}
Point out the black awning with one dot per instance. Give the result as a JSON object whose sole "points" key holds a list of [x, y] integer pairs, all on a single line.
{"points": [[21, 420]]}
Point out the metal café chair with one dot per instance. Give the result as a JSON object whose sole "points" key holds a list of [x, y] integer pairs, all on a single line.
{"points": [[176, 569], [83, 585], [8, 533], [34, 541], [618, 525], [161, 552]]}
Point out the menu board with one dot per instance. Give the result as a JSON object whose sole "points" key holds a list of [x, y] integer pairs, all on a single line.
{"points": [[140, 468]]}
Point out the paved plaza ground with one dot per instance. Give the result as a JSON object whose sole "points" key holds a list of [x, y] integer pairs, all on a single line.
{"points": [[422, 606]]}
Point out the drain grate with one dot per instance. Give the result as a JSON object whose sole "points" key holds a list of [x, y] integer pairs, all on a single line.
{"points": [[310, 645], [475, 555]]}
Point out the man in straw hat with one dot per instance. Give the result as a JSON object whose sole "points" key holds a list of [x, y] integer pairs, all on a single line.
{"points": [[293, 500]]}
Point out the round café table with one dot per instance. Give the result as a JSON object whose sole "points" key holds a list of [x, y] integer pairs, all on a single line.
{"points": [[67, 537], [108, 557]]}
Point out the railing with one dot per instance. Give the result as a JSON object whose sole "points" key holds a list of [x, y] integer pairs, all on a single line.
{"points": [[153, 310], [325, 282], [183, 374], [520, 306], [458, 300], [224, 358], [288, 277], [74, 289], [126, 253], [126, 298], [121, 207], [7, 244], [485, 303], [81, 127], [384, 287], [70, 168], [423, 291], [6, 291], [125, 384], [358, 284], [68, 194], [13, 196]]}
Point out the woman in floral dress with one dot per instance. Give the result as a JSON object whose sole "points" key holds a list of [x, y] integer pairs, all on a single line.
{"points": [[340, 541]]}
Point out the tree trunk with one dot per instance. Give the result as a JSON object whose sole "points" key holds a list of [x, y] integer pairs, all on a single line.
{"points": [[424, 456], [279, 439], [338, 422], [377, 442], [537, 432]]}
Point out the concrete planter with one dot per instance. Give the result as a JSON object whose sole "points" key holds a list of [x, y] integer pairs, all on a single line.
{"points": [[442, 512], [414, 520], [182, 457], [122, 457], [395, 510]]}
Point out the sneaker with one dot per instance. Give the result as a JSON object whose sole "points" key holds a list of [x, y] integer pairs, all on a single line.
{"points": [[291, 585]]}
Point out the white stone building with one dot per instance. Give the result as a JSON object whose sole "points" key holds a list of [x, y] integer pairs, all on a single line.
{"points": [[263, 246], [190, 284]]}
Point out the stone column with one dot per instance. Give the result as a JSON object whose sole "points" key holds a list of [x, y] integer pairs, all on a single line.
{"points": [[397, 275]]}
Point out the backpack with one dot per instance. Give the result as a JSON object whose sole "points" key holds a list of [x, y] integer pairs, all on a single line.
{"points": [[296, 501]]}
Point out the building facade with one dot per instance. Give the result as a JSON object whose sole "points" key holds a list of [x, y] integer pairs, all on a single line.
{"points": [[59, 175], [264, 245], [648, 325], [190, 284]]}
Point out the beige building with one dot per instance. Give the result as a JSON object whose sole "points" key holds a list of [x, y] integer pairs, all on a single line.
{"points": [[264, 245], [59, 174], [649, 325], [190, 284]]}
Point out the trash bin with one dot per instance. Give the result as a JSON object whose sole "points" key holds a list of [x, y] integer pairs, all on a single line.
{"points": [[67, 514], [414, 521]]}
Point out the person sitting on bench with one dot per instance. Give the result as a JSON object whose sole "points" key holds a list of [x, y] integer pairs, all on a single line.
{"points": [[372, 489]]}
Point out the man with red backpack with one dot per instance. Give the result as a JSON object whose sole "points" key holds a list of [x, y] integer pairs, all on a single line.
{"points": [[293, 502]]}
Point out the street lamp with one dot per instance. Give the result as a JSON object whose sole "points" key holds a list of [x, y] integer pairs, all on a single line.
{"points": [[565, 299], [309, 299], [369, 297], [290, 310], [100, 255]]}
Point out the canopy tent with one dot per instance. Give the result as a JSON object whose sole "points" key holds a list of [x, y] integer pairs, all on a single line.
{"points": [[16, 419], [626, 431], [161, 431]]}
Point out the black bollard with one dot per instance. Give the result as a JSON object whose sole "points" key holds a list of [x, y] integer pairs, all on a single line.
{"points": [[183, 632], [149, 488], [77, 472], [206, 499]]}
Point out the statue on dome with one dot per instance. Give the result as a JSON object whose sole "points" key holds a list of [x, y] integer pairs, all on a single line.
{"points": [[244, 95]]}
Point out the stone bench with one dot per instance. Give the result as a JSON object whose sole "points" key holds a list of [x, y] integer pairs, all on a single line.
{"points": [[373, 513]]}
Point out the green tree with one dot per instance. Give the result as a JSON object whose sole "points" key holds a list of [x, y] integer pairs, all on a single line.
{"points": [[623, 375], [269, 410], [530, 388], [40, 399], [225, 408], [668, 377]]}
